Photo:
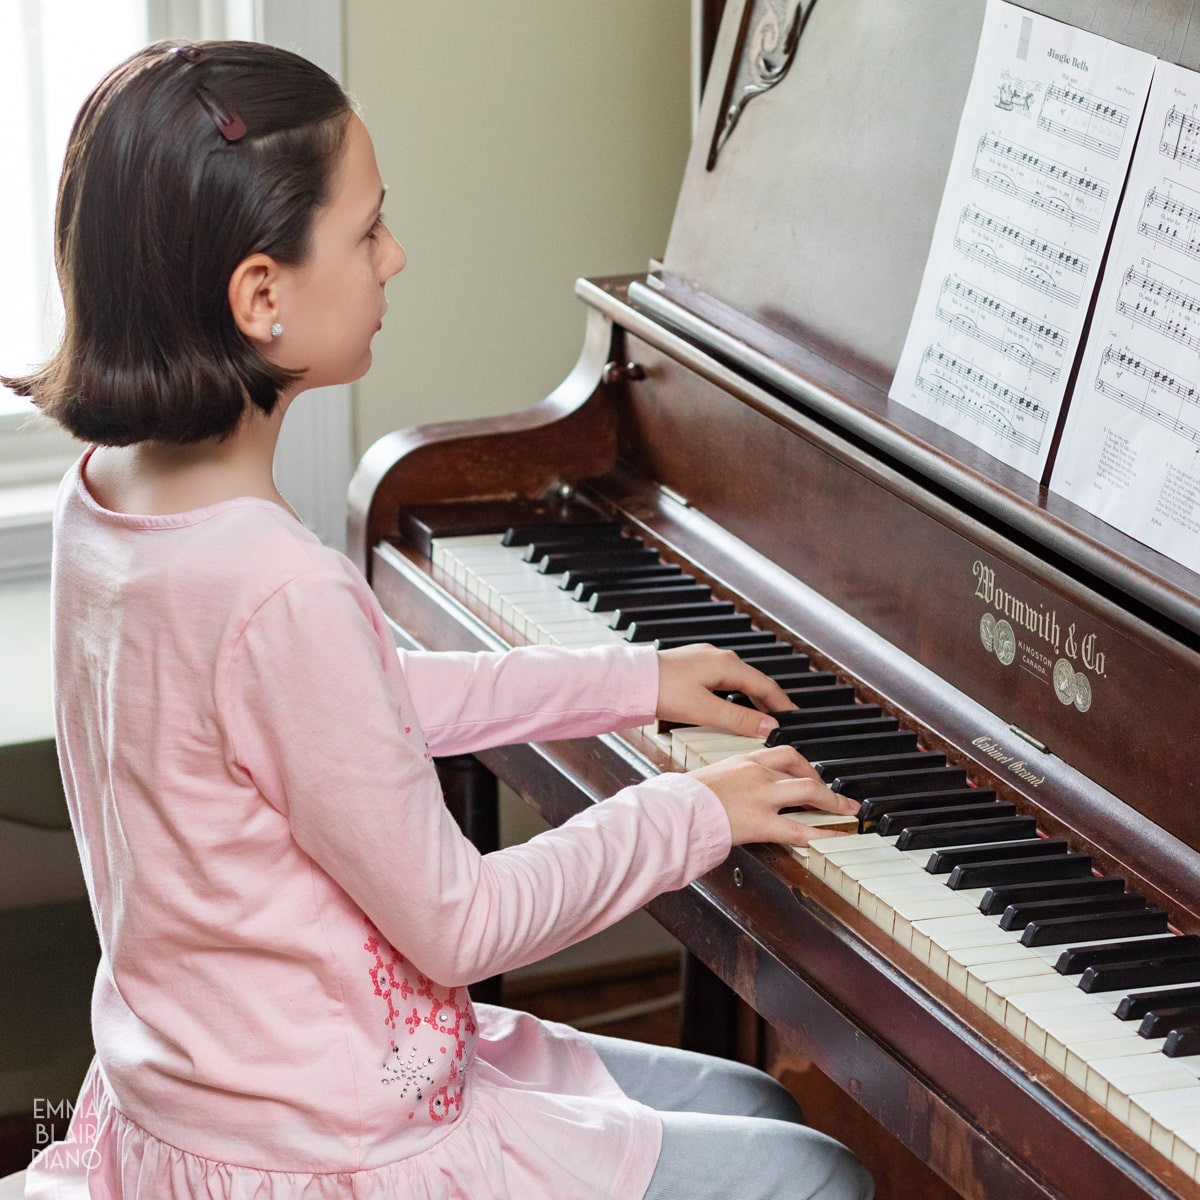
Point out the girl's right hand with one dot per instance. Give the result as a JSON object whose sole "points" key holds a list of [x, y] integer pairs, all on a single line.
{"points": [[754, 789]]}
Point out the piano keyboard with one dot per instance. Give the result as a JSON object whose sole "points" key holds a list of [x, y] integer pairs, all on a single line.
{"points": [[1085, 973]]}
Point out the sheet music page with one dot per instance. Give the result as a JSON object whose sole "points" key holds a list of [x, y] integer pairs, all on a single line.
{"points": [[1043, 147], [1130, 451]]}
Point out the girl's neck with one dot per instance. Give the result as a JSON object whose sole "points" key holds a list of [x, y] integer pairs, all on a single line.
{"points": [[160, 478]]}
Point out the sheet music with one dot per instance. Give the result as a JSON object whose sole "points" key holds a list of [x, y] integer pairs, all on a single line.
{"points": [[1043, 146], [1130, 451]]}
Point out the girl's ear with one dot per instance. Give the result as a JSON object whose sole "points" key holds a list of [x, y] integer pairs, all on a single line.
{"points": [[254, 296]]}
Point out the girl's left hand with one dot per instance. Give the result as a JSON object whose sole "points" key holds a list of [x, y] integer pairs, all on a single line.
{"points": [[688, 676]]}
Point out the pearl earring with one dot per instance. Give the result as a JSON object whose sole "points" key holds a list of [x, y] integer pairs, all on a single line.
{"points": [[276, 330]]}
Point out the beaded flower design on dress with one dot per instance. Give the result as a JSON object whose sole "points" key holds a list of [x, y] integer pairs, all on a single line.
{"points": [[416, 1008]]}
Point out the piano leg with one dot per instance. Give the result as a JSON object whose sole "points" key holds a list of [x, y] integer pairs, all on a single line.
{"points": [[473, 798], [710, 1011]]}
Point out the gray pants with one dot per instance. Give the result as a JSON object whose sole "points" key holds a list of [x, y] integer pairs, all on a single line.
{"points": [[729, 1132]]}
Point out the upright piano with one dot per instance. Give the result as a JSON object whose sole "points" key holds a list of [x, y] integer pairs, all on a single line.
{"points": [[1012, 685]]}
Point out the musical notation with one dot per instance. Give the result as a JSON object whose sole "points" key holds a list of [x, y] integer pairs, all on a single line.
{"points": [[1029, 259], [1040, 182], [1009, 413], [1017, 334], [1157, 305], [1116, 366], [1180, 141], [1038, 168], [1171, 223], [1152, 373], [1084, 119], [1133, 429]]}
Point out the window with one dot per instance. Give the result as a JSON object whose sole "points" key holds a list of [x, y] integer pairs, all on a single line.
{"points": [[66, 47]]}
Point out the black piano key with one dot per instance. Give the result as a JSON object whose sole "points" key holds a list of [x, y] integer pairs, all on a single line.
{"points": [[826, 714], [1146, 973], [752, 652], [1017, 916], [1006, 829], [794, 687], [557, 562], [890, 775], [1027, 869], [942, 862], [792, 735], [539, 547], [582, 531], [584, 582], [802, 682], [1055, 931], [1160, 1021], [1133, 1008], [824, 697], [898, 822], [854, 745], [876, 807], [731, 641], [623, 617], [997, 899], [1077, 959], [696, 629], [777, 665], [1182, 1042], [627, 599]]}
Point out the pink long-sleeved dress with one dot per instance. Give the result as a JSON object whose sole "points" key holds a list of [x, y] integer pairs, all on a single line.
{"points": [[289, 917]]}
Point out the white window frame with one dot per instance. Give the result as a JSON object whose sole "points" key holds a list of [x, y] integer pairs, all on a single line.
{"points": [[315, 456]]}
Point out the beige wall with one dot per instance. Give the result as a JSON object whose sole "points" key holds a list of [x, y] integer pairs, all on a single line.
{"points": [[523, 144]]}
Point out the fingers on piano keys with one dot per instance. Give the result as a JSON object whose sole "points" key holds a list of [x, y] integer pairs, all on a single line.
{"points": [[1086, 974]]}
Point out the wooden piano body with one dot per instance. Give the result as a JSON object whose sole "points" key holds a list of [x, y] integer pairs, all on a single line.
{"points": [[731, 408]]}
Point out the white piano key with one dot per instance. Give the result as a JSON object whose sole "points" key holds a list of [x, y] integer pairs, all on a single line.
{"points": [[1000, 990], [981, 976], [1071, 1048], [823, 821], [1046, 1026], [884, 891], [1121, 1083], [909, 915], [1171, 1109], [1025, 1012], [1185, 1151], [699, 745], [846, 877], [955, 964], [718, 751]]}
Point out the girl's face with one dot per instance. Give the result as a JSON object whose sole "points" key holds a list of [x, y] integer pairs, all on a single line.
{"points": [[332, 305]]}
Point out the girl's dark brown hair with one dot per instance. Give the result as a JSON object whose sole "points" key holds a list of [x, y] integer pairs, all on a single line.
{"points": [[156, 207]]}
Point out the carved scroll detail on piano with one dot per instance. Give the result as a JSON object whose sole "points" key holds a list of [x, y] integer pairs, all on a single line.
{"points": [[766, 47]]}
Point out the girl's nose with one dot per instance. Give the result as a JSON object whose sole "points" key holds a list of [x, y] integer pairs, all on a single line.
{"points": [[394, 260]]}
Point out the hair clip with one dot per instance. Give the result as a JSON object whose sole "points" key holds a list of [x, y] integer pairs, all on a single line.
{"points": [[192, 54], [232, 128]]}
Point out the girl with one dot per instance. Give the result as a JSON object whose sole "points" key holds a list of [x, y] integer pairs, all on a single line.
{"points": [[288, 916]]}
